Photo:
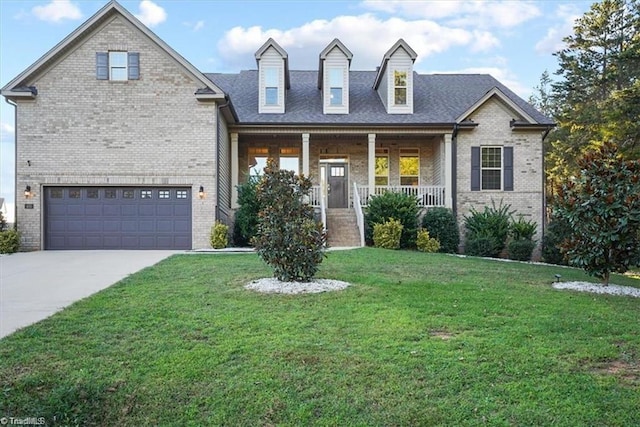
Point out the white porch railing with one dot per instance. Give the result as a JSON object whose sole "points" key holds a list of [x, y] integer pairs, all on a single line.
{"points": [[357, 206], [427, 195], [323, 211], [315, 195]]}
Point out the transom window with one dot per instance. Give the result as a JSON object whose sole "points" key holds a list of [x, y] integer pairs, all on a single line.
{"points": [[382, 166], [409, 166], [271, 86], [118, 66], [491, 168], [336, 84], [400, 87]]}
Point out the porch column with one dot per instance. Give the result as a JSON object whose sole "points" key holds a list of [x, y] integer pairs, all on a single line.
{"points": [[305, 154], [234, 170], [372, 164], [448, 171]]}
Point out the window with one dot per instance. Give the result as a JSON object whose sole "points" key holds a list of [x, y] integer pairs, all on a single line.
{"points": [[257, 160], [74, 194], [109, 194], [409, 166], [92, 193], [400, 87], [127, 194], [181, 194], [290, 159], [271, 86], [382, 166], [491, 168], [164, 194], [56, 193], [117, 65], [336, 82], [145, 194]]}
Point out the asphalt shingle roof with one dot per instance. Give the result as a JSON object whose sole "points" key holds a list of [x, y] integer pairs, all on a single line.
{"points": [[438, 99]]}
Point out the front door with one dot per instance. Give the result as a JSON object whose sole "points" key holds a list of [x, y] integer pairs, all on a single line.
{"points": [[337, 189]]}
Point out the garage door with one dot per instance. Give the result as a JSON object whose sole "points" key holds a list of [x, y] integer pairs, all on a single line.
{"points": [[117, 218]]}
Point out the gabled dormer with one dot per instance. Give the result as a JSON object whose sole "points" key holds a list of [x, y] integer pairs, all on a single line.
{"points": [[333, 78], [394, 80], [273, 75]]}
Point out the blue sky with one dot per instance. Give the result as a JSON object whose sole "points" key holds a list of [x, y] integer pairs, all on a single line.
{"points": [[511, 40]]}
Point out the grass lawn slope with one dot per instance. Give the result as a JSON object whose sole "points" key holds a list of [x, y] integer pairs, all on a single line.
{"points": [[418, 339]]}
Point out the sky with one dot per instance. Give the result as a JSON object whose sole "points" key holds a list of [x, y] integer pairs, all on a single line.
{"points": [[512, 40]]}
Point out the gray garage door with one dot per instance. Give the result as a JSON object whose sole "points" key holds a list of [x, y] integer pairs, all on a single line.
{"points": [[117, 218]]}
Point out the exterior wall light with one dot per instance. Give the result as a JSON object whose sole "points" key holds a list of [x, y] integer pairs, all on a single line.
{"points": [[201, 193], [27, 192]]}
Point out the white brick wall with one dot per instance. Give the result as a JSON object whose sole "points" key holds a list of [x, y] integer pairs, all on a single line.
{"points": [[84, 131]]}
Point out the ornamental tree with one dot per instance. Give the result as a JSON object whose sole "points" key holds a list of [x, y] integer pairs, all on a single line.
{"points": [[288, 238], [602, 207]]}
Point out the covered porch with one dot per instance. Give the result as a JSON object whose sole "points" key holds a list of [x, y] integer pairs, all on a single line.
{"points": [[348, 167]]}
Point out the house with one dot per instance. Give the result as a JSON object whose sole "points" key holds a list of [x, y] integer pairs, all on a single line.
{"points": [[122, 143]]}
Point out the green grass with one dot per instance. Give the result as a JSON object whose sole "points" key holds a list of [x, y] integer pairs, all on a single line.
{"points": [[419, 339]]}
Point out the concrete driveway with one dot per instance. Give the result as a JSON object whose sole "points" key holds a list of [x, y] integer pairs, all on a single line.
{"points": [[34, 285]]}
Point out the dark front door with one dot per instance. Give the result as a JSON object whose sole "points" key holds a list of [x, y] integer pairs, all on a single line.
{"points": [[337, 185]]}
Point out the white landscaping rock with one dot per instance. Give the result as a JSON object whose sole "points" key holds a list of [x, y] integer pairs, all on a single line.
{"points": [[599, 289], [273, 285]]}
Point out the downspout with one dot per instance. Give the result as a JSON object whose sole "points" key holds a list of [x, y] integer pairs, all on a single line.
{"points": [[15, 160], [220, 107]]}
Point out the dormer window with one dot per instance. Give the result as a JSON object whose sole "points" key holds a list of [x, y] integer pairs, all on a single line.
{"points": [[271, 86], [336, 82], [400, 87]]}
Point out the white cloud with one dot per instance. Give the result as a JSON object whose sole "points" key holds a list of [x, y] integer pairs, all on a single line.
{"points": [[303, 43], [7, 129], [553, 40], [483, 14], [57, 10], [151, 14], [199, 25]]}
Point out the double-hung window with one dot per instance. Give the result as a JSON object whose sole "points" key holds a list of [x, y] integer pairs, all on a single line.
{"points": [[271, 86], [382, 166], [336, 85], [491, 168], [400, 87], [409, 166], [117, 65]]}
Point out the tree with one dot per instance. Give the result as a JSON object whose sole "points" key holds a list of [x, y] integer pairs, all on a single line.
{"points": [[602, 207], [289, 239], [245, 225]]}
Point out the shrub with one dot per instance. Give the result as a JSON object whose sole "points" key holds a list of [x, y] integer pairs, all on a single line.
{"points": [[245, 223], [288, 238], [425, 243], [9, 241], [557, 232], [480, 246], [523, 230], [493, 223], [387, 235], [520, 250], [442, 225], [400, 206], [3, 223], [218, 238]]}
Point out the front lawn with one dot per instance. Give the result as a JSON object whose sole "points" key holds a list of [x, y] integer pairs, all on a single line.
{"points": [[419, 339]]}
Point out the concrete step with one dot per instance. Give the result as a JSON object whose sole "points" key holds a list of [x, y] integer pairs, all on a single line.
{"points": [[342, 228]]}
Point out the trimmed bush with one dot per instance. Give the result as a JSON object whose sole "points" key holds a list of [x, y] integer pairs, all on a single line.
{"points": [[400, 206], [219, 235], [425, 243], [493, 223], [480, 246], [288, 239], [387, 235], [520, 250], [523, 229], [9, 241], [442, 225], [245, 225]]}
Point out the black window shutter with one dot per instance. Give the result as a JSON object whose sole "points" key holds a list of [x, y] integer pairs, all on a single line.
{"points": [[133, 65], [507, 153], [475, 168], [102, 66]]}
